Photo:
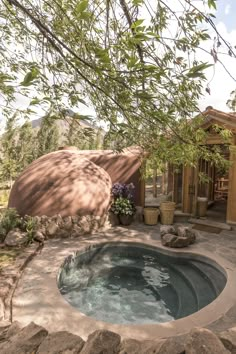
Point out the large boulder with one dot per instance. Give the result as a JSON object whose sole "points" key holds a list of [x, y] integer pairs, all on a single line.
{"points": [[62, 182], [173, 345], [61, 342], [203, 341], [228, 338], [132, 346], [25, 341], [16, 238], [102, 342]]}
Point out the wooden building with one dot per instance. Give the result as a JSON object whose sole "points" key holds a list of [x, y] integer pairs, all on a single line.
{"points": [[186, 184]]}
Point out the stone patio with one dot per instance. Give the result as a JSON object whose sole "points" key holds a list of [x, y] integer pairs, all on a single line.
{"points": [[38, 299]]}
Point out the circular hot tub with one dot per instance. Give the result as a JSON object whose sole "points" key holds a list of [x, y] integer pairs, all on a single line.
{"points": [[128, 283]]}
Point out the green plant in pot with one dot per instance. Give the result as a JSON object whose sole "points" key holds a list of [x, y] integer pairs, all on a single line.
{"points": [[123, 204]]}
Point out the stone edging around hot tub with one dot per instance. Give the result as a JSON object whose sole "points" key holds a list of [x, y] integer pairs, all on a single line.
{"points": [[57, 314]]}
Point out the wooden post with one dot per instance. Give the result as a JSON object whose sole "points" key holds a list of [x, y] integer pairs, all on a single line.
{"points": [[142, 183], [186, 189], [154, 188], [175, 188], [170, 178], [163, 183], [194, 207], [231, 203]]}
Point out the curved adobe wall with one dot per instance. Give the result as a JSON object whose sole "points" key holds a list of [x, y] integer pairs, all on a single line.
{"points": [[62, 182], [122, 167]]}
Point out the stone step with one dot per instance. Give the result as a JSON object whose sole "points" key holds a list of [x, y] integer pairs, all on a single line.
{"points": [[207, 222], [216, 278], [186, 296], [201, 286]]}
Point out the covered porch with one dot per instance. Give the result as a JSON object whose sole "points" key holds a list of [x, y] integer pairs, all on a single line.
{"points": [[220, 189]]}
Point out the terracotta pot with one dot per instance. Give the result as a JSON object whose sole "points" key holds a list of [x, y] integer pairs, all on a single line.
{"points": [[126, 219]]}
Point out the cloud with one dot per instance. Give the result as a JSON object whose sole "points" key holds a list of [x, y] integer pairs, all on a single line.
{"points": [[227, 9]]}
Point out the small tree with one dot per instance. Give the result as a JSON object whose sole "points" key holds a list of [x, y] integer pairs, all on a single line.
{"points": [[26, 148], [9, 159], [48, 136]]}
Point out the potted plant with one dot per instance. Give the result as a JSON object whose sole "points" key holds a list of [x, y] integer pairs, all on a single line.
{"points": [[123, 204]]}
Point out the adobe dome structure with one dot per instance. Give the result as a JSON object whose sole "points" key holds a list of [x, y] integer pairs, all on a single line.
{"points": [[62, 182]]}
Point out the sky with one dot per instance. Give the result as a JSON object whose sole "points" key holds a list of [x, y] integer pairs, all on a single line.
{"points": [[220, 83]]}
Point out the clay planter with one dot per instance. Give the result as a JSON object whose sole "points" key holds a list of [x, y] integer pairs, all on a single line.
{"points": [[125, 219]]}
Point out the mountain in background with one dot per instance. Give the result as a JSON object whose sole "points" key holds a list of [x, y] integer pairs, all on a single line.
{"points": [[63, 124]]}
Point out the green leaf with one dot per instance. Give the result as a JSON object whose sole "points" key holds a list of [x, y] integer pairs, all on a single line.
{"points": [[137, 23], [212, 4], [196, 71], [137, 2], [34, 101], [30, 76], [81, 6]]}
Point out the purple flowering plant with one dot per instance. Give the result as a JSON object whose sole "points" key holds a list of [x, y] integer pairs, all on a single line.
{"points": [[123, 190], [123, 199]]}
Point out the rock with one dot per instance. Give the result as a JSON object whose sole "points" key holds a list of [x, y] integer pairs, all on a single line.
{"points": [[132, 346], [41, 228], [67, 219], [3, 330], [75, 219], [14, 328], [16, 238], [60, 342], [150, 347], [10, 331], [228, 338], [61, 182], [174, 241], [181, 242], [102, 342], [38, 236], [67, 225], [62, 233], [25, 341], [52, 229], [168, 239], [37, 219], [173, 345], [96, 222], [167, 229], [44, 219], [57, 219], [76, 231], [84, 224], [203, 341], [184, 231]]}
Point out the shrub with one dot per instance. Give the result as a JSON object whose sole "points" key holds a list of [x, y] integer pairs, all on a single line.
{"points": [[30, 226], [123, 206], [123, 190], [9, 219]]}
